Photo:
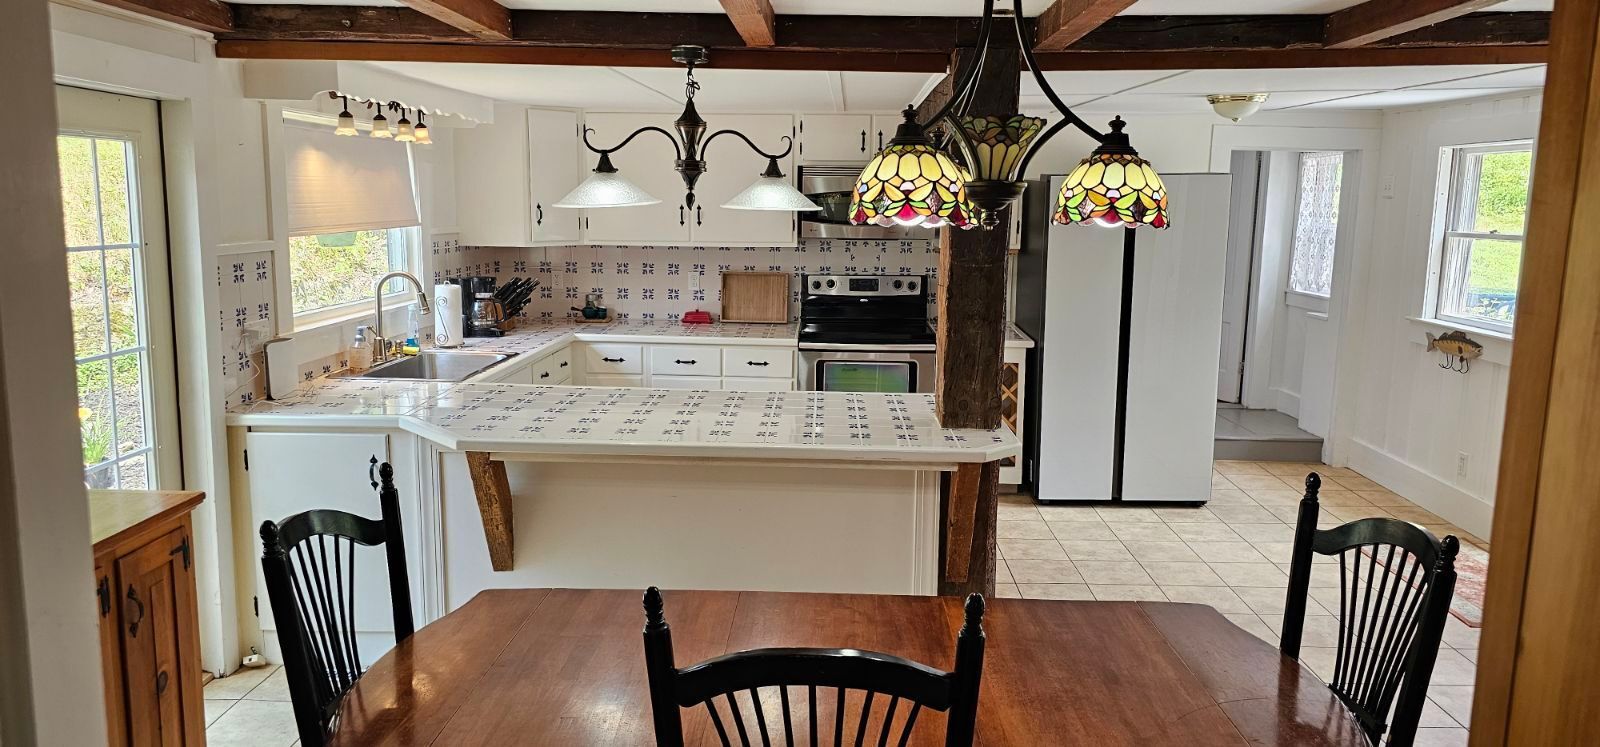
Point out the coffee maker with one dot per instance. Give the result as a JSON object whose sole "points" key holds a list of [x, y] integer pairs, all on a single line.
{"points": [[481, 312]]}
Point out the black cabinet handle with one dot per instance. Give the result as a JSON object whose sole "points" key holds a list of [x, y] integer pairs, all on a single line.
{"points": [[697, 215], [880, 139], [136, 615], [103, 591], [863, 141], [680, 215], [758, 363], [544, 375], [563, 364], [613, 360], [540, 210], [372, 471], [686, 363]]}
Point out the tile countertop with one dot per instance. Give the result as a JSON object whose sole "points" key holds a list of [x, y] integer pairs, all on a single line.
{"points": [[536, 336], [840, 426]]}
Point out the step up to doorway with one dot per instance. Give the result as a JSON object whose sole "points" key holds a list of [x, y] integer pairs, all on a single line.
{"points": [[1263, 435]]}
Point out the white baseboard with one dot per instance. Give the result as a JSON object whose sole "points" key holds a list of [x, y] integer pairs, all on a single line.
{"points": [[1286, 402], [1455, 505]]}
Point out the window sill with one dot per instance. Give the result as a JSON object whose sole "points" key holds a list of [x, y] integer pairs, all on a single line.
{"points": [[312, 321], [1307, 301], [1496, 344]]}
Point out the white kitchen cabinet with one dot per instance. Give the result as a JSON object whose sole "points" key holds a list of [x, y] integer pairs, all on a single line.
{"points": [[291, 472], [553, 148], [883, 129], [756, 384], [552, 368], [685, 360], [730, 167], [510, 171], [612, 358], [837, 138], [748, 362], [647, 162], [634, 380], [685, 382]]}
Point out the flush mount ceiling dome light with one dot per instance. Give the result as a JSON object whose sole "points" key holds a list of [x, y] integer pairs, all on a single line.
{"points": [[994, 150], [606, 188], [1236, 106]]}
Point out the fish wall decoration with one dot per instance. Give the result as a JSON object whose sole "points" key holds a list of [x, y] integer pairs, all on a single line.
{"points": [[1458, 349]]}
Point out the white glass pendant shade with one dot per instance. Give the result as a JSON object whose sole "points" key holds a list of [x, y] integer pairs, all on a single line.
{"points": [[403, 131], [347, 125], [423, 138], [606, 188], [380, 127], [772, 191]]}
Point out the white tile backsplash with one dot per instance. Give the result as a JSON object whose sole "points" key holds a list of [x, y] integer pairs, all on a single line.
{"points": [[246, 320], [656, 283]]}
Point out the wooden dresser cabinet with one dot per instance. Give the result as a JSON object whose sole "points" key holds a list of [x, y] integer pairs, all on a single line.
{"points": [[149, 622]]}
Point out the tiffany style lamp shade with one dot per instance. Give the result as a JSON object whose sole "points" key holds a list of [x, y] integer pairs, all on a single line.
{"points": [[1113, 187], [911, 184]]}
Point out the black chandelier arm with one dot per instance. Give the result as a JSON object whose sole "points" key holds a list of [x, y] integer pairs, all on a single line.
{"points": [[677, 149], [967, 81], [1038, 76], [788, 144]]}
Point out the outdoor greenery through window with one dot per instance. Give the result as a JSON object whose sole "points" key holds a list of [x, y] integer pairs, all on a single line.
{"points": [[332, 270], [103, 268], [1485, 217], [1316, 223]]}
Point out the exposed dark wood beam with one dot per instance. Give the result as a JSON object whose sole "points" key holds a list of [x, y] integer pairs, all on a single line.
{"points": [[1380, 19], [484, 19], [204, 15], [1296, 58], [754, 21], [1067, 21]]}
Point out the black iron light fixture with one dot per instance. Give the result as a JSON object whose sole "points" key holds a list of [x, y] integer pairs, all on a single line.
{"points": [[606, 188], [913, 181]]}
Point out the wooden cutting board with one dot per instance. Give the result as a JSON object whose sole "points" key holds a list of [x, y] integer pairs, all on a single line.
{"points": [[761, 297]]}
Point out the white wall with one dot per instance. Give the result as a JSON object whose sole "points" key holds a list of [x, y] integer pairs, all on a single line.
{"points": [[49, 652], [1412, 418]]}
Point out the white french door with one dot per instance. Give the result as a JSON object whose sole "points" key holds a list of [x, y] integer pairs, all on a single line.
{"points": [[113, 206]]}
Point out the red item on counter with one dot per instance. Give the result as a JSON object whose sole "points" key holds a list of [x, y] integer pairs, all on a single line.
{"points": [[697, 317]]}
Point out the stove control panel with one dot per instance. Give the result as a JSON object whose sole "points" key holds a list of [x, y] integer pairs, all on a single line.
{"points": [[865, 285]]}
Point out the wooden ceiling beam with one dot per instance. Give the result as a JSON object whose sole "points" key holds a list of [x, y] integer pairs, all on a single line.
{"points": [[202, 15], [754, 20], [1375, 20], [1067, 21], [484, 19]]}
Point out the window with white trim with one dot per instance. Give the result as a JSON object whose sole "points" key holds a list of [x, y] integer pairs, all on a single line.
{"points": [[1485, 216], [353, 217], [1316, 223]]}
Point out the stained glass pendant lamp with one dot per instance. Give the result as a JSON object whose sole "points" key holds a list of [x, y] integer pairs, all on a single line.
{"points": [[1113, 187], [994, 151], [607, 188], [911, 183]]}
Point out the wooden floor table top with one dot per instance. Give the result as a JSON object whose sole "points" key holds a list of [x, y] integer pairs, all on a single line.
{"points": [[566, 667]]}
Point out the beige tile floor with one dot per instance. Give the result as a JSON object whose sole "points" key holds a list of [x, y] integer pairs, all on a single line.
{"points": [[1232, 554]]}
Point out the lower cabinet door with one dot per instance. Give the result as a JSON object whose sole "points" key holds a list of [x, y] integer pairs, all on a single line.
{"points": [[613, 380], [160, 642], [752, 384], [686, 382], [105, 581]]}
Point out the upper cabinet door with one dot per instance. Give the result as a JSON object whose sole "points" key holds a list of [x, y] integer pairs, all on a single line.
{"points": [[492, 199], [837, 138], [647, 162], [883, 129], [553, 171], [731, 167]]}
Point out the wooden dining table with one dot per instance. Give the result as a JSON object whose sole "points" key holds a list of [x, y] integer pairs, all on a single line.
{"points": [[566, 667]]}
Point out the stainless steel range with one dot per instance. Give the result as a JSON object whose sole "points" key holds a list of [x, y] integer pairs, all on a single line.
{"points": [[866, 333]]}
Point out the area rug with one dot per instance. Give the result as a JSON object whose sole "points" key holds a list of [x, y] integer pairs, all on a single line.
{"points": [[1472, 571]]}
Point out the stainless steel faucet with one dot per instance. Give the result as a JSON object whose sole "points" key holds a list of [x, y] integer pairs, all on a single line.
{"points": [[381, 350]]}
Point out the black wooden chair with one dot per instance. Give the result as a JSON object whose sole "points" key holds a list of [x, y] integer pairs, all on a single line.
{"points": [[310, 570], [1395, 584], [842, 669]]}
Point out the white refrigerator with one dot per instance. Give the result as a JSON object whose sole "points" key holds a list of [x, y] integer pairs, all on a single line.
{"points": [[1069, 294]]}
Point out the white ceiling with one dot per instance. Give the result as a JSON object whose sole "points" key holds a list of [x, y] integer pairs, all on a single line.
{"points": [[930, 7], [1184, 91]]}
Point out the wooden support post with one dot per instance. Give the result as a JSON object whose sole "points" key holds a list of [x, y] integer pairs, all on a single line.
{"points": [[972, 292], [494, 506]]}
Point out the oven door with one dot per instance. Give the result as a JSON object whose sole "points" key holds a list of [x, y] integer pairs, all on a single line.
{"points": [[894, 372]]}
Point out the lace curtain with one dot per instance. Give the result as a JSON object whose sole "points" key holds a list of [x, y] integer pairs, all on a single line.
{"points": [[1316, 223]]}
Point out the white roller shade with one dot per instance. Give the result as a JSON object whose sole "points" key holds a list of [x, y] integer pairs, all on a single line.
{"points": [[338, 184]]}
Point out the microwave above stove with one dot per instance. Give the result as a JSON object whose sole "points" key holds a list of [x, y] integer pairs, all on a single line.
{"points": [[831, 187]]}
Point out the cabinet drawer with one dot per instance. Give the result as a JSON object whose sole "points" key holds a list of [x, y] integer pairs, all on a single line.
{"points": [[753, 384], [553, 368], [686, 382], [686, 360], [613, 380], [612, 358], [773, 363]]}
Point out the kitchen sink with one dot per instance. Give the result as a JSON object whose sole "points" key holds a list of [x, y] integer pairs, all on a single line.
{"points": [[435, 365]]}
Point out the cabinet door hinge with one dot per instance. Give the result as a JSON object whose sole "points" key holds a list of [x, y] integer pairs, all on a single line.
{"points": [[103, 591], [183, 547]]}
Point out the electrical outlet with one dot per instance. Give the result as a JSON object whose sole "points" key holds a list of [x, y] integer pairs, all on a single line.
{"points": [[694, 279], [1461, 464], [1386, 188]]}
